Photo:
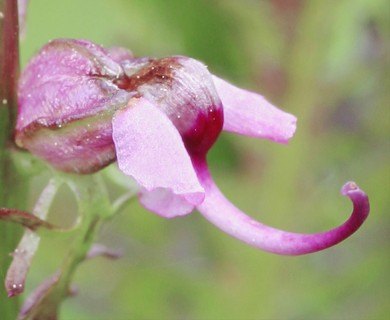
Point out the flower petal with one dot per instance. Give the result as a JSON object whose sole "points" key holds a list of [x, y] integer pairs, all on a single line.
{"points": [[80, 139], [66, 100], [248, 113], [150, 149], [67, 79], [169, 204], [219, 211]]}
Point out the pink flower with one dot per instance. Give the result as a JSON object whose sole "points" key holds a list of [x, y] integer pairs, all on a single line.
{"points": [[83, 107]]}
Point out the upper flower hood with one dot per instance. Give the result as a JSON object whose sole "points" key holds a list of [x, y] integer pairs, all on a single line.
{"points": [[71, 89]]}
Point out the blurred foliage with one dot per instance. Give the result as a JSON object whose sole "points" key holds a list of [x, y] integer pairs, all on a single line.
{"points": [[326, 62]]}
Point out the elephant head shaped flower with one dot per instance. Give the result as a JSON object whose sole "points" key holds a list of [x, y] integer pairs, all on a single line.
{"points": [[83, 107]]}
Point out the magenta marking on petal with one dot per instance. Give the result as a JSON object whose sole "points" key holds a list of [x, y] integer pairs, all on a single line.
{"points": [[250, 114], [219, 211]]}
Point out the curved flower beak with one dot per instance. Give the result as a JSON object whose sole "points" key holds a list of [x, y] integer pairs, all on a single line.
{"points": [[220, 212]]}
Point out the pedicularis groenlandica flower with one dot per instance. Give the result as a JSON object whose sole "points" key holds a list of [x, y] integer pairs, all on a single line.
{"points": [[82, 107]]}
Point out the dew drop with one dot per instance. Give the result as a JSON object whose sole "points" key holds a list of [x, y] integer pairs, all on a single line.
{"points": [[4, 101], [1, 15], [15, 286]]}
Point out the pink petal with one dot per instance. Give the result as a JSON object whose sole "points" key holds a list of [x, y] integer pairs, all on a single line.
{"points": [[69, 57], [150, 149], [61, 99], [67, 122], [248, 113], [66, 79], [169, 204], [219, 211], [119, 54]]}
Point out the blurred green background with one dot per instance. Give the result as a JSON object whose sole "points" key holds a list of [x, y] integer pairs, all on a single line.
{"points": [[327, 62]]}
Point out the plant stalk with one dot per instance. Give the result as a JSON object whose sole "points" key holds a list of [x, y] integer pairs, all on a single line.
{"points": [[12, 185], [94, 208]]}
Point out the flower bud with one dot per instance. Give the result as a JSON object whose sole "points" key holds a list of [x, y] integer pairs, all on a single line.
{"points": [[66, 102]]}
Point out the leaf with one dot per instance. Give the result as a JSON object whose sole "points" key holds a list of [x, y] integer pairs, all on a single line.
{"points": [[25, 219], [22, 258], [35, 306]]}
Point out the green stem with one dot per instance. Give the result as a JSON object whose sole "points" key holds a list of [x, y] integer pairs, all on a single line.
{"points": [[94, 208], [12, 185]]}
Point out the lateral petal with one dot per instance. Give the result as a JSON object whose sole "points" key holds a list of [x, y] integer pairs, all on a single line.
{"points": [[250, 114], [150, 149]]}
